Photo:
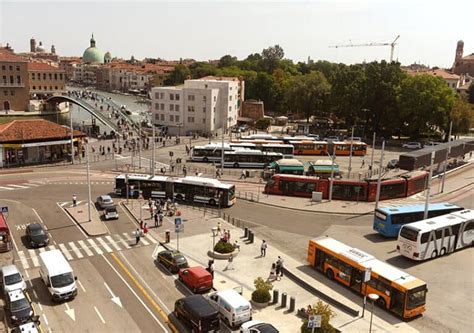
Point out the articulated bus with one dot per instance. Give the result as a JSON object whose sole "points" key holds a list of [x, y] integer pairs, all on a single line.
{"points": [[285, 149], [398, 292], [437, 236], [344, 148], [188, 189], [310, 147], [208, 153], [388, 220], [249, 159]]}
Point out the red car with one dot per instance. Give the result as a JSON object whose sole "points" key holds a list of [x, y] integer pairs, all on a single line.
{"points": [[198, 279]]}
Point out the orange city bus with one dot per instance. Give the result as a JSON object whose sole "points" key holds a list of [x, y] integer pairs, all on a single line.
{"points": [[310, 147], [344, 148], [399, 292]]}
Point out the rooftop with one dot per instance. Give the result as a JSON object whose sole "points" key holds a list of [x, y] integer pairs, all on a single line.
{"points": [[34, 129], [41, 66], [8, 56]]}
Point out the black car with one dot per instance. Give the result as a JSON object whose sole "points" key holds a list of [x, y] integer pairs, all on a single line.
{"points": [[197, 312], [20, 307], [392, 164], [172, 260], [36, 235]]}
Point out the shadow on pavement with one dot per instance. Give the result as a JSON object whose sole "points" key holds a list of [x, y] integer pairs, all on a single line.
{"points": [[377, 238]]}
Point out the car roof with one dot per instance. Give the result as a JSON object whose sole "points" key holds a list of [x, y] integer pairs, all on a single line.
{"points": [[233, 298], [111, 208], [106, 196], [16, 295], [10, 270], [199, 271], [200, 305], [35, 226]]}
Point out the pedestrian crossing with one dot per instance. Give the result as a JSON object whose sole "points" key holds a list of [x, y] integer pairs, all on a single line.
{"points": [[81, 183], [21, 186], [86, 248]]}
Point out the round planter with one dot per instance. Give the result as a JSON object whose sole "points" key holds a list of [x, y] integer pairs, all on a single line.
{"points": [[222, 256], [258, 305]]}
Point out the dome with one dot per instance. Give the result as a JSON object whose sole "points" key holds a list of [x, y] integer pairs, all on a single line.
{"points": [[107, 57], [92, 55]]}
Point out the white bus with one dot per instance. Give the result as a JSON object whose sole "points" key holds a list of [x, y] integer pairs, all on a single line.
{"points": [[259, 137], [209, 153], [437, 236], [249, 159], [285, 149]]}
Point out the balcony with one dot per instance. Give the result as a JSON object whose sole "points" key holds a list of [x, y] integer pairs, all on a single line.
{"points": [[11, 85]]}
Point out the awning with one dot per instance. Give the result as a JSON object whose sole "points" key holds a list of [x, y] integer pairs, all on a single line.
{"points": [[36, 144]]}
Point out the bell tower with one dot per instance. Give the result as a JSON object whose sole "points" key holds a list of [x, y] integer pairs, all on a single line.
{"points": [[459, 52]]}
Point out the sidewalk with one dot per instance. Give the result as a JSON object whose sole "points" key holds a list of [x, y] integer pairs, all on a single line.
{"points": [[196, 240], [79, 213]]}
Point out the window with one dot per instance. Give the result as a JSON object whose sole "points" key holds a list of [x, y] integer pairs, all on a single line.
{"points": [[60, 76], [12, 92], [33, 76], [190, 97], [18, 79], [162, 95], [204, 109], [204, 99], [215, 98], [4, 79], [171, 107], [177, 97], [230, 108], [157, 106], [203, 120], [10, 68], [17, 68], [190, 119], [4, 68], [5, 92], [172, 97], [190, 108], [11, 79], [34, 87], [171, 117], [157, 95], [162, 117], [39, 76], [162, 106], [55, 76], [176, 107], [50, 76], [176, 118], [55, 87], [230, 97], [44, 76]]}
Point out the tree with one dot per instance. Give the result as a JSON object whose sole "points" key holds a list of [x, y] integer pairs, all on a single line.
{"points": [[263, 123], [178, 75], [271, 57], [264, 88], [306, 94], [462, 116], [326, 313], [202, 69], [471, 93], [227, 61], [261, 293], [425, 103]]}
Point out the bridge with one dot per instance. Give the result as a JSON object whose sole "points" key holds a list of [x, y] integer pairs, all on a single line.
{"points": [[86, 106]]}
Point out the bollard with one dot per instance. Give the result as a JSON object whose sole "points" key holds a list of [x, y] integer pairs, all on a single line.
{"points": [[292, 304], [251, 237], [276, 295], [283, 300], [167, 236], [246, 232]]}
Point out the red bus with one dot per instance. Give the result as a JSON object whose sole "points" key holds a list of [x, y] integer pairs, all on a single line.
{"points": [[5, 238]]}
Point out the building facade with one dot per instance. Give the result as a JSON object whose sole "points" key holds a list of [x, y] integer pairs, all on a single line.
{"points": [[463, 65], [14, 84], [45, 79], [199, 106]]}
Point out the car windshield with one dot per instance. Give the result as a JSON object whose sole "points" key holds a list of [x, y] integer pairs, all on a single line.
{"points": [[111, 210], [12, 279], [37, 232], [62, 280], [20, 305], [416, 297]]}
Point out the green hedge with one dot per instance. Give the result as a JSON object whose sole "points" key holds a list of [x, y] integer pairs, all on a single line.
{"points": [[223, 247], [261, 296]]}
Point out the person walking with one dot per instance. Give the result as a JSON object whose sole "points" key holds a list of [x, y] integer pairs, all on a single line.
{"points": [[363, 162], [156, 220], [185, 171], [74, 200], [219, 231], [279, 265], [272, 276], [211, 268], [263, 249], [243, 175], [145, 229], [137, 236], [230, 263], [160, 218]]}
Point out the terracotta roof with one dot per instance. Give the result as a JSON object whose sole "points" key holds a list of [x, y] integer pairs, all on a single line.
{"points": [[41, 66], [220, 78], [8, 56], [436, 72], [469, 57], [34, 130]]}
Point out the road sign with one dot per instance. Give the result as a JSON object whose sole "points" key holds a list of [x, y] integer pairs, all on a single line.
{"points": [[368, 272], [171, 154], [314, 321], [5, 210], [177, 221], [179, 228]]}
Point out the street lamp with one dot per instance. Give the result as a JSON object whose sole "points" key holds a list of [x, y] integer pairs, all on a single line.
{"points": [[214, 234], [332, 174], [373, 298]]}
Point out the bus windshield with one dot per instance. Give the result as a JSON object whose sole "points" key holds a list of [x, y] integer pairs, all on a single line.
{"points": [[416, 297], [409, 233]]}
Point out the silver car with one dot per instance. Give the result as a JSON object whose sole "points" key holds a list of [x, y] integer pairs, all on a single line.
{"points": [[12, 279], [105, 201]]}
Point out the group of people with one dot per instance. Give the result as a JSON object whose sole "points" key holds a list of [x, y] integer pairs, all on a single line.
{"points": [[276, 272]]}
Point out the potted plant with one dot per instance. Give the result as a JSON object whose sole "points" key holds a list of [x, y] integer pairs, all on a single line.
{"points": [[261, 295], [326, 313], [224, 247]]}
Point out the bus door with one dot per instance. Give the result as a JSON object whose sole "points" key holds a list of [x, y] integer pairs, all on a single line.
{"points": [[356, 279], [397, 301], [169, 189], [319, 264]]}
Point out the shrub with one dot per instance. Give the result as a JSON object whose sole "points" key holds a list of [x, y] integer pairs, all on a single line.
{"points": [[223, 247], [262, 290], [263, 123], [326, 314]]}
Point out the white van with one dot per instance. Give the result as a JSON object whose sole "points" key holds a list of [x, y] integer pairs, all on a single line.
{"points": [[58, 276], [233, 307]]}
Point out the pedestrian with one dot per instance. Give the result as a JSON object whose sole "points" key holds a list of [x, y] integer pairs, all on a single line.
{"points": [[218, 173], [160, 218], [277, 271], [363, 162], [141, 224], [243, 175], [263, 249], [185, 171], [150, 202], [219, 231], [272, 276], [225, 238], [230, 263], [137, 236], [211, 268], [74, 200], [228, 235], [151, 211], [236, 246], [145, 229], [279, 264], [156, 220]]}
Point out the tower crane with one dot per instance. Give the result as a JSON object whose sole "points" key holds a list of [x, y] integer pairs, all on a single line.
{"points": [[392, 45]]}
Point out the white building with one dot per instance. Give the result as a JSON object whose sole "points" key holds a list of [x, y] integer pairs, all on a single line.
{"points": [[199, 106]]}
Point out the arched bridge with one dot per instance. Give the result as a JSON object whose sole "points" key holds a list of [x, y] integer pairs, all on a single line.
{"points": [[86, 106]]}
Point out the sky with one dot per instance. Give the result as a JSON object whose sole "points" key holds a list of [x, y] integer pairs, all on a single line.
{"points": [[204, 30]]}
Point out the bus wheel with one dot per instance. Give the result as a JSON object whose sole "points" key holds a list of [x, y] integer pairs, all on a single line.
{"points": [[330, 274], [442, 252], [434, 254], [212, 202], [205, 159], [236, 165], [381, 302]]}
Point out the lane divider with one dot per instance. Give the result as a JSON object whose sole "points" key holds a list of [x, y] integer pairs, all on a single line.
{"points": [[160, 311]]}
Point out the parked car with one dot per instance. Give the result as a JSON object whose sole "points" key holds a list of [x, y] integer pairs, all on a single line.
{"points": [[19, 305], [32, 326], [197, 312], [431, 144], [36, 235], [243, 128], [12, 279], [104, 201], [111, 213], [257, 326], [197, 278], [172, 260], [314, 136], [233, 307], [412, 145], [236, 130], [392, 164], [354, 138], [331, 138]]}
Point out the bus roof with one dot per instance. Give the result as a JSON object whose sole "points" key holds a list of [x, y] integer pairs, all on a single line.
{"points": [[134, 176], [322, 163], [259, 136], [442, 221], [368, 261], [252, 152], [393, 209], [193, 180], [280, 145], [354, 143], [289, 162]]}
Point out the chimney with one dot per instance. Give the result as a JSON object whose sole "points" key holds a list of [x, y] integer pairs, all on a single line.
{"points": [[32, 45]]}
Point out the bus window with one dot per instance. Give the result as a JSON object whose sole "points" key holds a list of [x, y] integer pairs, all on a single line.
{"points": [[409, 234], [416, 297]]}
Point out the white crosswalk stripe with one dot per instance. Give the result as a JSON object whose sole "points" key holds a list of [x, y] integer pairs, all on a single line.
{"points": [[34, 258], [144, 241], [65, 251], [113, 243], [85, 248], [29, 185], [17, 186], [51, 247], [123, 241], [104, 245], [151, 239], [94, 246], [42, 249], [6, 188], [23, 259], [75, 250]]}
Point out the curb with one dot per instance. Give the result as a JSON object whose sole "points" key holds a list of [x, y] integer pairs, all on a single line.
{"points": [[77, 223]]}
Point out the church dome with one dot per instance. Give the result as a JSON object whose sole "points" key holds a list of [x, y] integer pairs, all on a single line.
{"points": [[92, 55], [107, 57]]}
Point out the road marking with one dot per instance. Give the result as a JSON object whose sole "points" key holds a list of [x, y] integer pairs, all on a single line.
{"points": [[94, 246], [80, 284], [31, 184], [144, 241], [45, 319], [104, 245], [114, 298], [40, 306], [164, 316], [64, 203], [51, 247], [152, 239], [42, 249], [76, 250], [73, 221], [6, 188], [85, 248], [34, 258], [65, 251], [113, 243], [17, 186], [39, 217], [70, 312], [100, 316], [123, 241]]}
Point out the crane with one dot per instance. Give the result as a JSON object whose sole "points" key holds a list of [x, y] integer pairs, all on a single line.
{"points": [[392, 46]]}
